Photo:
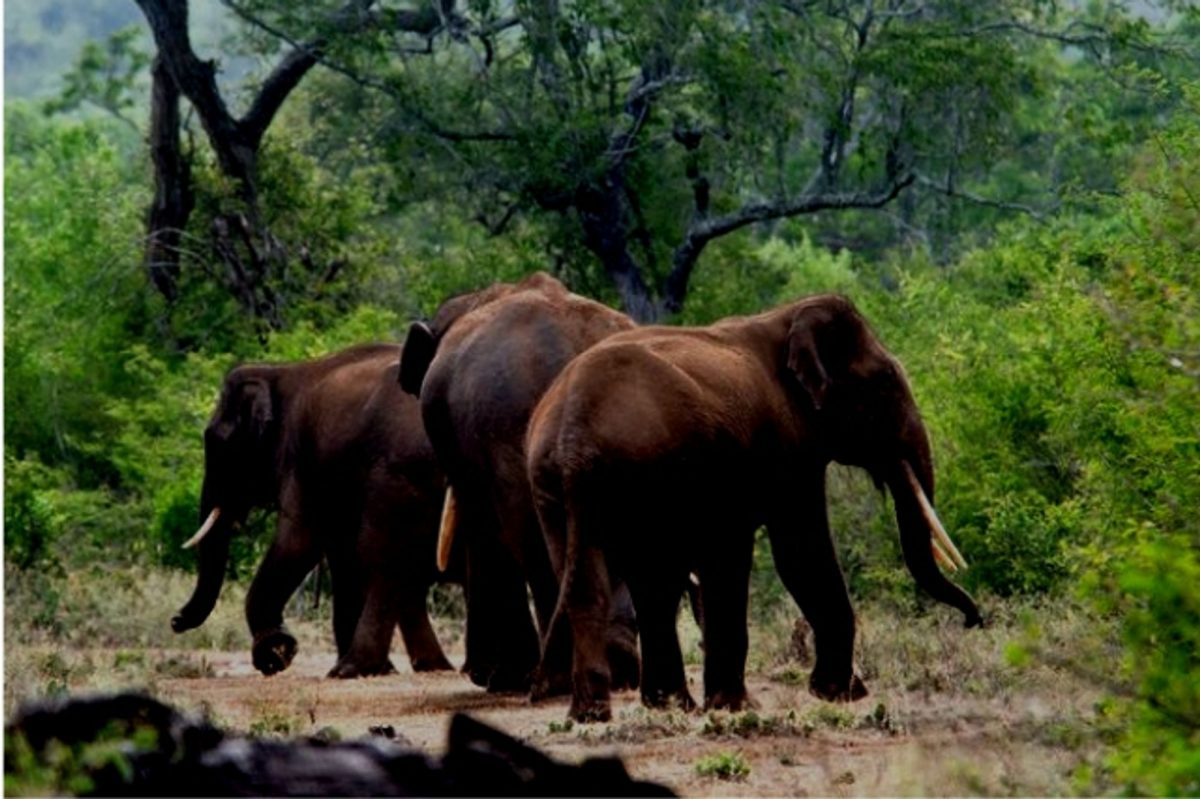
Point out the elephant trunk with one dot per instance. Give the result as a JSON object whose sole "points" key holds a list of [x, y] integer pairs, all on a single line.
{"points": [[213, 548], [923, 539]]}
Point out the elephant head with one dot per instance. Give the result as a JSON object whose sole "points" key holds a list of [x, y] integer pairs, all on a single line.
{"points": [[858, 406], [241, 444]]}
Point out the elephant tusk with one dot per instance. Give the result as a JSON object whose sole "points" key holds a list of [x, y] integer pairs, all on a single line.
{"points": [[935, 524], [941, 557], [204, 528], [446, 531]]}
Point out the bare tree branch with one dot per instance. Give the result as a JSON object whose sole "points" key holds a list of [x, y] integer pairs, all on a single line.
{"points": [[701, 232], [947, 188]]}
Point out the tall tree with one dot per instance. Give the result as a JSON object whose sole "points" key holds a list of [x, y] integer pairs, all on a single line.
{"points": [[649, 130], [255, 260]]}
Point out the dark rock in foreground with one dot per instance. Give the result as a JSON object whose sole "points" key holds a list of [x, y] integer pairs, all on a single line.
{"points": [[147, 748]]}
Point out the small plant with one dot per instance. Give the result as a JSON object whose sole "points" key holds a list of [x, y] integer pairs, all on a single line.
{"points": [[881, 719], [126, 658], [560, 726], [270, 721], [639, 724], [834, 717], [791, 675], [184, 667], [731, 766]]}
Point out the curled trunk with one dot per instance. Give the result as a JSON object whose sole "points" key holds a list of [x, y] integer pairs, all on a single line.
{"points": [[213, 551], [917, 533]]}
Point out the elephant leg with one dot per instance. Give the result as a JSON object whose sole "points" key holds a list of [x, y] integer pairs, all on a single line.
{"points": [[587, 602], [420, 641], [349, 597], [371, 641], [502, 644], [725, 590], [553, 674], [623, 659], [807, 563], [656, 593], [292, 555]]}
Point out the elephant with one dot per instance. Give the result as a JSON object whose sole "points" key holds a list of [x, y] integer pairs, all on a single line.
{"points": [[663, 449], [341, 452], [479, 369]]}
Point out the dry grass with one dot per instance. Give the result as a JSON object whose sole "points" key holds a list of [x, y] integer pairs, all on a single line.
{"points": [[950, 711]]}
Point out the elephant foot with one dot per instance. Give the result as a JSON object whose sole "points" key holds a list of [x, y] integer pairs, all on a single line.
{"points": [[733, 701], [589, 710], [973, 619], [350, 670], [273, 651], [667, 699], [509, 680], [436, 662], [836, 691], [547, 685], [626, 668]]}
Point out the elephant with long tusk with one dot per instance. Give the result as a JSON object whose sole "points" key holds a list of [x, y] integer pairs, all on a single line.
{"points": [[661, 450], [340, 450]]}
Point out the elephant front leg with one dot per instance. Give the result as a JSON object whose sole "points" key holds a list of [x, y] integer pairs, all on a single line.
{"points": [[291, 557], [656, 589], [725, 590], [808, 566]]}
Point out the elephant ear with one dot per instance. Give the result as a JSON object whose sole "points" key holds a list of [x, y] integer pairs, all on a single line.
{"points": [[821, 343], [421, 345], [419, 349], [256, 408]]}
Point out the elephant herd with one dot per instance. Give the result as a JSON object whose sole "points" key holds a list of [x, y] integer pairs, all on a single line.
{"points": [[600, 467]]}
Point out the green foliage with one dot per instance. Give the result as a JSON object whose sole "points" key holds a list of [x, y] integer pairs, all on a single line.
{"points": [[731, 766], [61, 769]]}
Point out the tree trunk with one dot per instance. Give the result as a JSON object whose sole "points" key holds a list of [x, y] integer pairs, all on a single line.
{"points": [[602, 215], [173, 196]]}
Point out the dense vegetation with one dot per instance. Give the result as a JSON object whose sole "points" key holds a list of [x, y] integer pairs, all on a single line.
{"points": [[1038, 276]]}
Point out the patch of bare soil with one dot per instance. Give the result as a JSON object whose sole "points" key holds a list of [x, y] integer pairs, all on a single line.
{"points": [[892, 743]]}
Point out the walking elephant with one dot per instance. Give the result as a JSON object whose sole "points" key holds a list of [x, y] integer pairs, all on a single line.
{"points": [[480, 368], [340, 451], [663, 449]]}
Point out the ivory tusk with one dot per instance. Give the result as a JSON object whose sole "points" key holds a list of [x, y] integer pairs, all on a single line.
{"points": [[204, 528], [941, 557], [446, 531], [935, 524]]}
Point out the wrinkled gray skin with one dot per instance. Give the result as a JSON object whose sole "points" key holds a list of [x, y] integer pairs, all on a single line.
{"points": [[341, 452]]}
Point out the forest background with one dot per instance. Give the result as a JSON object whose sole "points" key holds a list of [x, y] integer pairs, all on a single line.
{"points": [[1008, 190]]}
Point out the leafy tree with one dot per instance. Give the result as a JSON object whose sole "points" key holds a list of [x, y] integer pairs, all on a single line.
{"points": [[641, 133]]}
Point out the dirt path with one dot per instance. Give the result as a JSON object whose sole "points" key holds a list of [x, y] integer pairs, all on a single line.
{"points": [[893, 743]]}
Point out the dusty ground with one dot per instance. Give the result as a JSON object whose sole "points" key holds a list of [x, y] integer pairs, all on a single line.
{"points": [[917, 743], [949, 712]]}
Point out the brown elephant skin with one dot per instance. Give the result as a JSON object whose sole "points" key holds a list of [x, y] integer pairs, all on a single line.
{"points": [[663, 449], [480, 368], [341, 452]]}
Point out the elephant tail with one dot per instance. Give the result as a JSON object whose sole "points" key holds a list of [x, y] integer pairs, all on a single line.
{"points": [[446, 529]]}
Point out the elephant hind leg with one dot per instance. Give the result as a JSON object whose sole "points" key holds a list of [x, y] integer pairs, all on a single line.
{"points": [[623, 658], [587, 596], [420, 641]]}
